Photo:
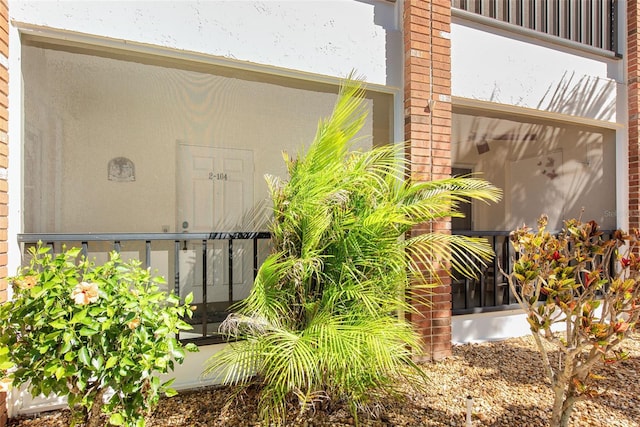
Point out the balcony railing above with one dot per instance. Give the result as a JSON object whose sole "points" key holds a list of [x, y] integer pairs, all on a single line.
{"points": [[589, 22]]}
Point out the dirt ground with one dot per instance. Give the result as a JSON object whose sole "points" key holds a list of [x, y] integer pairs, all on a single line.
{"points": [[505, 380]]}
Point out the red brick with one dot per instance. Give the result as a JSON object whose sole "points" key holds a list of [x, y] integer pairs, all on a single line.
{"points": [[633, 14], [427, 70]]}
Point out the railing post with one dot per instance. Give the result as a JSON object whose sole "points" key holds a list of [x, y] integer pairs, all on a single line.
{"points": [[613, 19], [467, 292], [255, 258], [230, 255], [176, 268], [147, 254], [205, 309], [494, 241], [506, 248]]}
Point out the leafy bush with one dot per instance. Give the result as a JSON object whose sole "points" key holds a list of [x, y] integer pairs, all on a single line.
{"points": [[581, 293], [80, 330], [322, 321]]}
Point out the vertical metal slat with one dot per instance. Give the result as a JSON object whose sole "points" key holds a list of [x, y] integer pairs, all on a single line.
{"points": [[467, 292], [489, 8], [255, 258], [586, 23], [606, 24], [230, 255], [542, 16], [205, 311], [507, 265], [176, 272], [502, 10], [613, 38], [494, 243], [553, 16], [147, 254]]}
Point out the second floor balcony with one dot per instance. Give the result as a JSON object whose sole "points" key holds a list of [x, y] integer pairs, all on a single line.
{"points": [[592, 23]]}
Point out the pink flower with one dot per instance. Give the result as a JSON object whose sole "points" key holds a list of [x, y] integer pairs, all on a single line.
{"points": [[85, 293]]}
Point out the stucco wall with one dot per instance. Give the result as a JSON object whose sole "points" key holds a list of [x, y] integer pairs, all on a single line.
{"points": [[490, 64], [81, 111], [320, 37], [582, 175]]}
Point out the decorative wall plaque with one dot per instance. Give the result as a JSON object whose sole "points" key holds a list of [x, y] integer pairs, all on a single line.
{"points": [[121, 169]]}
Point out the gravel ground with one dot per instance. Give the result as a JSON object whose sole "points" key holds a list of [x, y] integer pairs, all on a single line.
{"points": [[504, 378]]}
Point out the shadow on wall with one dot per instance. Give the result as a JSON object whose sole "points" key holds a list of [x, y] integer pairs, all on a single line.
{"points": [[544, 167], [586, 96]]}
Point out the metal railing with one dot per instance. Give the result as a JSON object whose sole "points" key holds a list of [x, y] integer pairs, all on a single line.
{"points": [[489, 291], [203, 263], [590, 22]]}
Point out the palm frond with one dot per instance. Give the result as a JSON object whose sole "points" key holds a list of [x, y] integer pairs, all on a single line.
{"points": [[322, 318], [428, 201], [266, 297], [431, 252]]}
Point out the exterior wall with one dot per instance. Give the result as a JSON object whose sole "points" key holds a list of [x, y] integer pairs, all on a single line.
{"points": [[328, 38], [4, 162], [633, 78], [493, 65], [427, 106], [492, 326], [145, 108], [315, 41]]}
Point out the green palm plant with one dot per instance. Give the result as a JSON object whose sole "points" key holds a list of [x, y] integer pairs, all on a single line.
{"points": [[322, 319]]}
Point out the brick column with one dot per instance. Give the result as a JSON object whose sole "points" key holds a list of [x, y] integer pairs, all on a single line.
{"points": [[4, 117], [427, 107], [633, 44]]}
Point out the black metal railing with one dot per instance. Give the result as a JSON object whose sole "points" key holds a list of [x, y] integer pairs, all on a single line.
{"points": [[489, 291], [197, 262], [590, 22], [194, 259]]}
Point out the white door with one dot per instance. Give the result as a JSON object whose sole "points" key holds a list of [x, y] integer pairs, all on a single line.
{"points": [[215, 194], [215, 188]]}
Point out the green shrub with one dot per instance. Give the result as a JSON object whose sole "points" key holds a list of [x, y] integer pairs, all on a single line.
{"points": [[322, 321], [94, 334]]}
